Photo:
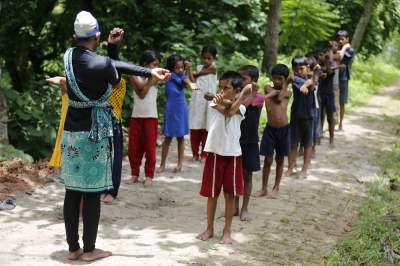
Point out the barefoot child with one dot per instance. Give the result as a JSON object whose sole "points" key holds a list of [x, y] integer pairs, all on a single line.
{"points": [[326, 92], [276, 136], [223, 166], [302, 115], [144, 121], [346, 53], [249, 136], [206, 80], [176, 122]]}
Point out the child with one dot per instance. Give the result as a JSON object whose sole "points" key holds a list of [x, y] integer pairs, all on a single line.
{"points": [[176, 123], [206, 79], [276, 134], [249, 136], [326, 91], [302, 115], [335, 59], [223, 166], [144, 121], [346, 56]]}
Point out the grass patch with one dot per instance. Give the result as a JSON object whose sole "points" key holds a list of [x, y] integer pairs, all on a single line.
{"points": [[369, 76], [379, 220], [8, 152]]}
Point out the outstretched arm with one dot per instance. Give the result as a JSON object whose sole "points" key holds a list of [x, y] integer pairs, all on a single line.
{"points": [[61, 81]]}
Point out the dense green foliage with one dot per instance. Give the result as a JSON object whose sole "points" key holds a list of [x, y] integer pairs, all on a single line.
{"points": [[35, 33]]}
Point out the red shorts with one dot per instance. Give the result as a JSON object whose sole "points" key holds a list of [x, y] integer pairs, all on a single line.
{"points": [[222, 172]]}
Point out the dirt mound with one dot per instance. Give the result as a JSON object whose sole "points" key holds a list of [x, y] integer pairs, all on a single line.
{"points": [[19, 176]]}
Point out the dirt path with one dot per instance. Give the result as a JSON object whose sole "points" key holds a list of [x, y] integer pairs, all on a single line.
{"points": [[158, 226]]}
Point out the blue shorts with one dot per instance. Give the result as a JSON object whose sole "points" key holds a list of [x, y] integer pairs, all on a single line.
{"points": [[250, 157], [317, 125], [344, 91], [328, 103], [302, 132], [275, 139]]}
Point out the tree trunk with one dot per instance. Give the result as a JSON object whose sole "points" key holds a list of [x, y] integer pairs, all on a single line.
{"points": [[362, 25], [3, 116], [271, 37]]}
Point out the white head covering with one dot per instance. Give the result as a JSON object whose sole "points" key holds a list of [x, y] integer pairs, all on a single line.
{"points": [[85, 25]]}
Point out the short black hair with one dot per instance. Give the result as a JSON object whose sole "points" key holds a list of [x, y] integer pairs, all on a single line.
{"points": [[211, 49], [343, 33], [280, 70], [311, 62], [323, 50], [235, 78], [149, 56], [250, 70], [299, 61], [172, 60]]}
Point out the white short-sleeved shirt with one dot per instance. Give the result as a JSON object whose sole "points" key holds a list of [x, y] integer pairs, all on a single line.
{"points": [[199, 109], [224, 133], [146, 107]]}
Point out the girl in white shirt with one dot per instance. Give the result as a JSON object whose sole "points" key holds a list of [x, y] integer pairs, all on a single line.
{"points": [[144, 121]]}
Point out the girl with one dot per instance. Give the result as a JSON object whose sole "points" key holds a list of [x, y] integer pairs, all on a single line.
{"points": [[206, 80], [144, 121], [176, 123]]}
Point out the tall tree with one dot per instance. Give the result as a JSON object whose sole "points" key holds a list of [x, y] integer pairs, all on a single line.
{"points": [[362, 25], [271, 37]]}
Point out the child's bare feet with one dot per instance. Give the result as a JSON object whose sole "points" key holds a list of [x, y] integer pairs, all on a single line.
{"points": [[95, 255], [148, 182], [209, 233], [75, 255], [226, 237], [303, 174], [244, 215], [133, 180], [274, 194], [108, 199], [331, 146], [289, 172], [178, 169], [195, 158], [261, 193], [160, 169]]}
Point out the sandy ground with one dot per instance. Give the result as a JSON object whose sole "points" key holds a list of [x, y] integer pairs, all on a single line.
{"points": [[157, 226]]}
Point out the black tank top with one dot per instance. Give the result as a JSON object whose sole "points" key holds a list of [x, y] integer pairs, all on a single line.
{"points": [[249, 126]]}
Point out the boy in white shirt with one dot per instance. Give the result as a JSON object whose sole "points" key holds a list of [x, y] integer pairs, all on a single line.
{"points": [[223, 166]]}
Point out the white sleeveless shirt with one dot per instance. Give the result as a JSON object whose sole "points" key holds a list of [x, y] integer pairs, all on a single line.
{"points": [[146, 107]]}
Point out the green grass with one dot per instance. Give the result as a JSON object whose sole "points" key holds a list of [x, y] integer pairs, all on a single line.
{"points": [[379, 219], [8, 152], [370, 76]]}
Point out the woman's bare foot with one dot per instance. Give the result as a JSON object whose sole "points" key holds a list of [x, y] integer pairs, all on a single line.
{"points": [[244, 215], [226, 238], [261, 193], [160, 169], [209, 233], [148, 182], [274, 194], [75, 255], [108, 199], [195, 158], [95, 255]]}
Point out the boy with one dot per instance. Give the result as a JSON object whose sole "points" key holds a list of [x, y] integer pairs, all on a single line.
{"points": [[249, 136], [223, 166], [346, 56], [302, 115], [326, 92], [276, 134]]}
